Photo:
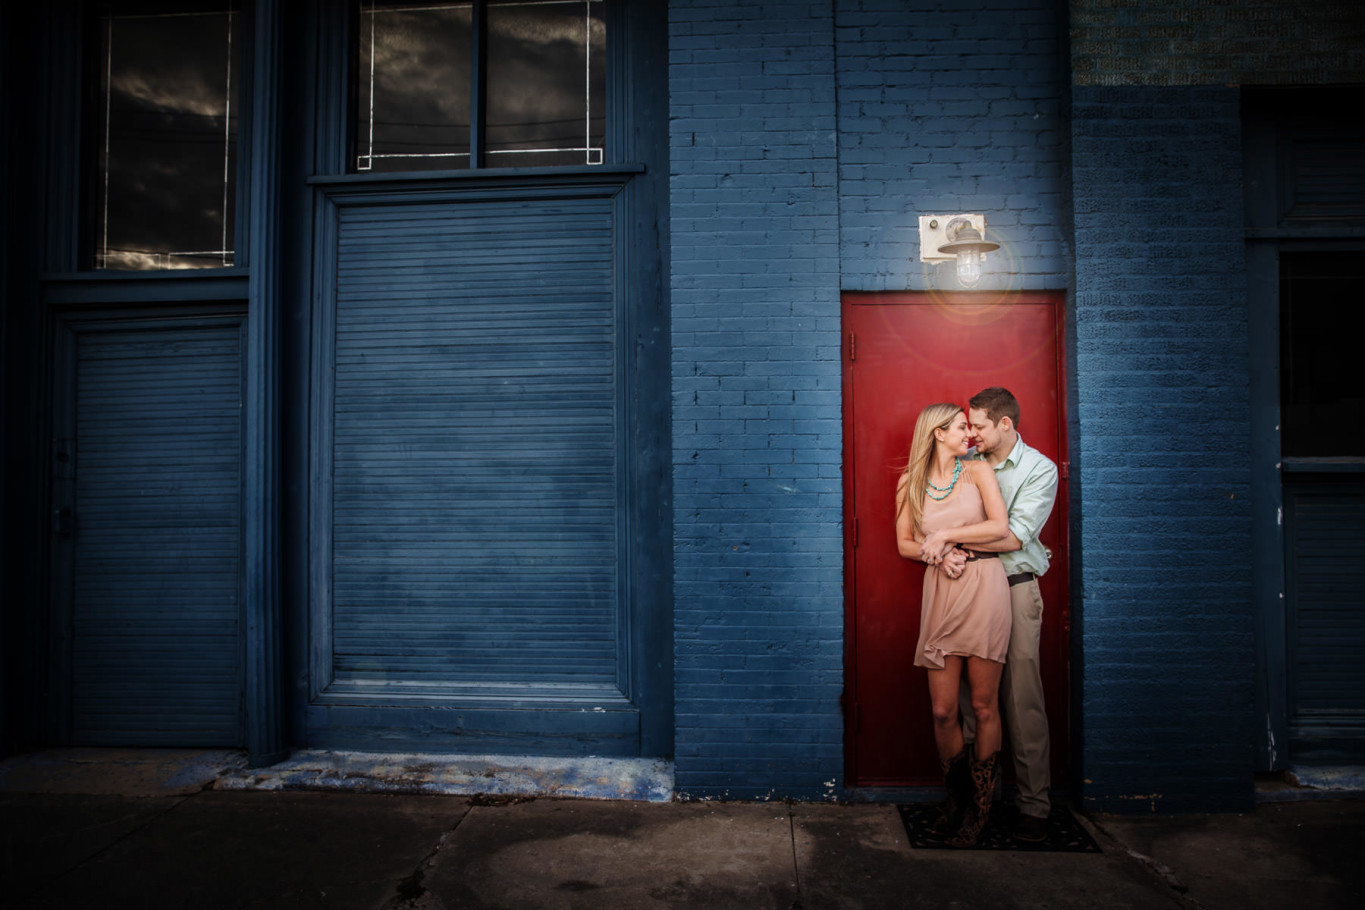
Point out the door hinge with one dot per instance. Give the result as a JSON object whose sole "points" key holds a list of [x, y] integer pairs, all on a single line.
{"points": [[853, 531], [1065, 468], [852, 347]]}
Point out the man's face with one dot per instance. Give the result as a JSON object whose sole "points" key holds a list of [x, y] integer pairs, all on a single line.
{"points": [[988, 435]]}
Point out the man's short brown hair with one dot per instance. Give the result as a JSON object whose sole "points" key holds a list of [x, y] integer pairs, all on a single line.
{"points": [[997, 403]]}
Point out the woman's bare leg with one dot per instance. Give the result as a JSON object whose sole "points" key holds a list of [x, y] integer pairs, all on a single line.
{"points": [[943, 689], [984, 678]]}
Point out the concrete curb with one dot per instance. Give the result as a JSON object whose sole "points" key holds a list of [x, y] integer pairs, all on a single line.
{"points": [[585, 777]]}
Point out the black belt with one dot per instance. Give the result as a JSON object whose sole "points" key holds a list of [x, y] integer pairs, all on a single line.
{"points": [[1019, 578], [973, 555]]}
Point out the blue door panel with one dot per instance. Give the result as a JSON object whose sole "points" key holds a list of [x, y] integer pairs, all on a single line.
{"points": [[1325, 594], [470, 450], [155, 647]]}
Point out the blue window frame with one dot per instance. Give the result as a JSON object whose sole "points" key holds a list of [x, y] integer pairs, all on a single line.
{"points": [[445, 85]]}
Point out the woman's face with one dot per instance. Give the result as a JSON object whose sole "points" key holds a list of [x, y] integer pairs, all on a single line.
{"points": [[956, 435]]}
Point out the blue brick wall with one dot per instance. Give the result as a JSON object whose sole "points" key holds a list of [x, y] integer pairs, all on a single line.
{"points": [[1160, 462], [947, 108], [805, 140], [756, 400], [1218, 42]]}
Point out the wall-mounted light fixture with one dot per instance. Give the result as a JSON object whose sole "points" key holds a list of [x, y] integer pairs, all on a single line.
{"points": [[944, 238]]}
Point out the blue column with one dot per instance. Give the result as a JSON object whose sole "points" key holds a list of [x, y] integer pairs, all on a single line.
{"points": [[265, 737]]}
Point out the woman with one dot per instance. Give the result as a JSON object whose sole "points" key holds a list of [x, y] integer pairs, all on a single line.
{"points": [[944, 502]]}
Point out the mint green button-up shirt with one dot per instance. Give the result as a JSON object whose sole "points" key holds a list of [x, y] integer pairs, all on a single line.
{"points": [[1028, 483]]}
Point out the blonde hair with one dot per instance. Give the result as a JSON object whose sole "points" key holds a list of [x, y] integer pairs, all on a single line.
{"points": [[934, 417]]}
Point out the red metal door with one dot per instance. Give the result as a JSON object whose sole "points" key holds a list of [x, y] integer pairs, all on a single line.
{"points": [[903, 351]]}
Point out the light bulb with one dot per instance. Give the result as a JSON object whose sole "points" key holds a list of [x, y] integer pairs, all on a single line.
{"points": [[968, 268]]}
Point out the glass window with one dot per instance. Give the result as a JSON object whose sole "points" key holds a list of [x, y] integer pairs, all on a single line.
{"points": [[414, 98], [546, 84], [1320, 397], [539, 97], [165, 161]]}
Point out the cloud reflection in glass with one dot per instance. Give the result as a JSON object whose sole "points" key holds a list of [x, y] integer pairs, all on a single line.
{"points": [[545, 84], [167, 141]]}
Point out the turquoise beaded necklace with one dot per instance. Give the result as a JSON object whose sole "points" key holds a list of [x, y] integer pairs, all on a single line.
{"points": [[930, 486]]}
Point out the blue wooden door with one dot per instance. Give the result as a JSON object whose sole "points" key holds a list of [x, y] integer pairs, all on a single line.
{"points": [[149, 535]]}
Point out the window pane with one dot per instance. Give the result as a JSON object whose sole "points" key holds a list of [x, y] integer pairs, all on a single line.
{"points": [[546, 82], [1320, 397], [413, 97], [167, 140]]}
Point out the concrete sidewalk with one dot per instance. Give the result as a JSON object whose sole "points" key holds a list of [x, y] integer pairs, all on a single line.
{"points": [[112, 829]]}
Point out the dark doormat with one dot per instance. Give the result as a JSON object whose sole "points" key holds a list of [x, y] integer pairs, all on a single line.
{"points": [[1064, 833]]}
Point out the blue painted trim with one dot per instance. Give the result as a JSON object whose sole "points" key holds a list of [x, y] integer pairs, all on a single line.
{"points": [[329, 95], [638, 132], [6, 80], [1267, 541], [1323, 465], [478, 79], [1324, 230], [323, 389], [1260, 168], [59, 170], [415, 191], [62, 486], [264, 722], [533, 730], [137, 288], [508, 175]]}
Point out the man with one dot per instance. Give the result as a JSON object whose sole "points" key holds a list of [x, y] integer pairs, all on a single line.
{"points": [[1028, 483]]}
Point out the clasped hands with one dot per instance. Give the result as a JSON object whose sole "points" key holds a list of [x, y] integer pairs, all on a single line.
{"points": [[936, 550]]}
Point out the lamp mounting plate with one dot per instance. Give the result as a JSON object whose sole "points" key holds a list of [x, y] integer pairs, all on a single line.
{"points": [[933, 233]]}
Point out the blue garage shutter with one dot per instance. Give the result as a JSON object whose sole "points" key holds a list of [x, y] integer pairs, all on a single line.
{"points": [[475, 435], [1324, 531], [155, 591]]}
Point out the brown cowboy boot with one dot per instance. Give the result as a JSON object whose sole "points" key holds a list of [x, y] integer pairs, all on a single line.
{"points": [[957, 780], [983, 790]]}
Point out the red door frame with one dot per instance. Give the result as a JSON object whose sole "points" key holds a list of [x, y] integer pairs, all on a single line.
{"points": [[968, 310]]}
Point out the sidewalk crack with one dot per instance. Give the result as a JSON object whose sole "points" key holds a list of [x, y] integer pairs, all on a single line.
{"points": [[796, 866], [87, 860], [411, 892]]}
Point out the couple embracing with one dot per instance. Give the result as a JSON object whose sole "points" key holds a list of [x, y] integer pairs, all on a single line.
{"points": [[972, 516]]}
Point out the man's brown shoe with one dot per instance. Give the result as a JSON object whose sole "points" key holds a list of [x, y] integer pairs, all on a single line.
{"points": [[1030, 828]]}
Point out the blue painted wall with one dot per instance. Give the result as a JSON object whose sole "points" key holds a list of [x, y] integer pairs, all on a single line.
{"points": [[804, 141], [1161, 409], [947, 108], [756, 400], [806, 138]]}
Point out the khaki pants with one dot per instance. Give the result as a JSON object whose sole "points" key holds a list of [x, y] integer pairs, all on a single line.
{"points": [[1021, 702]]}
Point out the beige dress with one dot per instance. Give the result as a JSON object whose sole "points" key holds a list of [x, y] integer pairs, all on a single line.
{"points": [[968, 615]]}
